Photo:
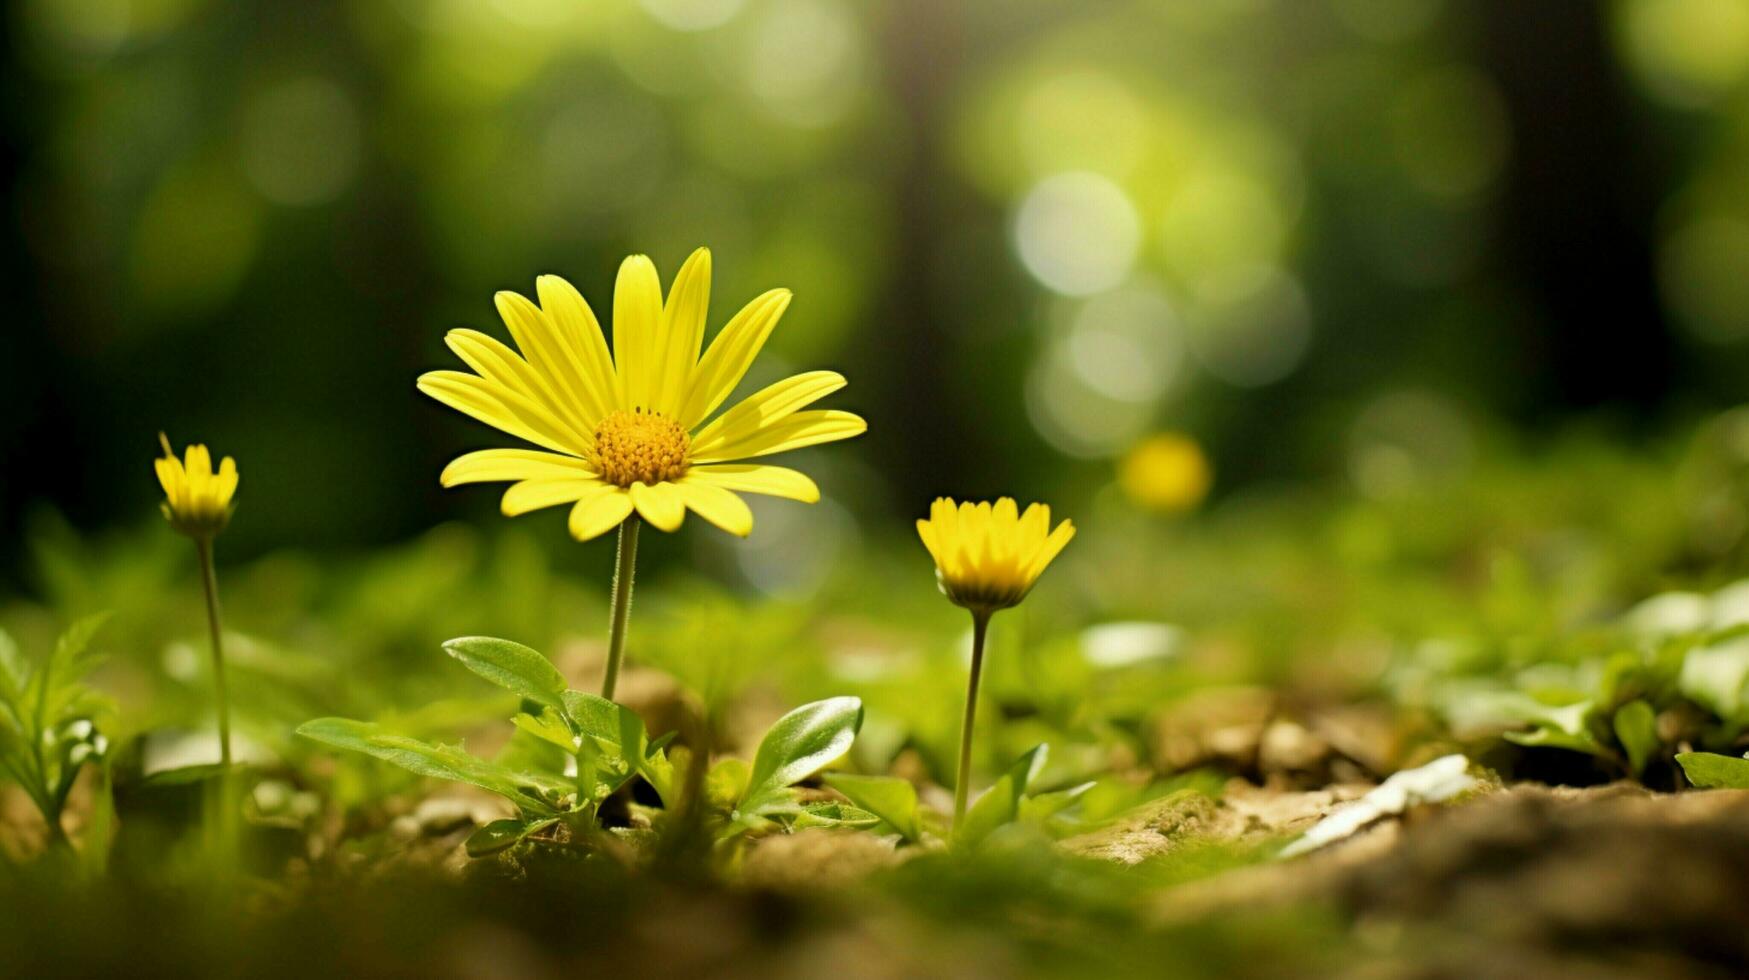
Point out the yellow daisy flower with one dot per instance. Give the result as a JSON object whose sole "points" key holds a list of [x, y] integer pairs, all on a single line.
{"points": [[197, 501], [628, 432], [988, 557]]}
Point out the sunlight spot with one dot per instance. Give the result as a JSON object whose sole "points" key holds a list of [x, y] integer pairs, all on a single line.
{"points": [[1688, 52], [1077, 233], [693, 15]]}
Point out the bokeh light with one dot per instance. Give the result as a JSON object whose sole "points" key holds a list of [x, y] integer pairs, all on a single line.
{"points": [[1167, 471], [1688, 52], [1077, 233]]}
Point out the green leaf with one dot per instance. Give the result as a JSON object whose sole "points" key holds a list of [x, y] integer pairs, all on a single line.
{"points": [[892, 799], [71, 648], [511, 666], [800, 744], [1000, 804], [549, 726], [619, 730], [1037, 809], [1715, 677], [726, 783], [14, 669], [1636, 728], [527, 790], [597, 717], [501, 834], [1553, 738], [610, 725], [66, 665], [183, 775], [1709, 770], [830, 814]]}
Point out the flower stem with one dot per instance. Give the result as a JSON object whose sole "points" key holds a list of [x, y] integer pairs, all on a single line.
{"points": [[963, 778], [204, 546], [623, 570]]}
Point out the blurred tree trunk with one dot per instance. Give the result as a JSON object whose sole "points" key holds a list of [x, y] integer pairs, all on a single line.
{"points": [[923, 48], [1578, 214]]}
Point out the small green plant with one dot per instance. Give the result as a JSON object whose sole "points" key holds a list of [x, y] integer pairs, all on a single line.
{"points": [[892, 800], [893, 803], [605, 746], [1012, 800], [49, 725], [762, 797]]}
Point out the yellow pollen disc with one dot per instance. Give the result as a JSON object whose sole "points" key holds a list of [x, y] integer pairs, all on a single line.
{"points": [[640, 447]]}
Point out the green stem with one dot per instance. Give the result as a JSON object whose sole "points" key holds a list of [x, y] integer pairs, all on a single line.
{"points": [[963, 778], [622, 603], [204, 545]]}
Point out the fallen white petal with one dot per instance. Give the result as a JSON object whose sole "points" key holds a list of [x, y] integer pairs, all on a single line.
{"points": [[1439, 780]]}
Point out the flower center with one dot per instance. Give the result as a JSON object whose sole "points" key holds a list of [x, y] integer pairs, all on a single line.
{"points": [[640, 447]]}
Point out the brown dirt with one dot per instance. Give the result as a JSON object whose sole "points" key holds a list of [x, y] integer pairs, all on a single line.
{"points": [[1243, 813], [816, 859], [1533, 881]]}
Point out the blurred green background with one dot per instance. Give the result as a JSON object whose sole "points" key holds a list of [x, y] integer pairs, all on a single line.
{"points": [[1369, 241]]}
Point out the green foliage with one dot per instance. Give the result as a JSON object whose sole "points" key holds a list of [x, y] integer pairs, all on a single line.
{"points": [[536, 793], [606, 745], [795, 747], [1636, 728], [891, 799], [49, 723], [511, 666], [1012, 800], [798, 745], [1709, 770]]}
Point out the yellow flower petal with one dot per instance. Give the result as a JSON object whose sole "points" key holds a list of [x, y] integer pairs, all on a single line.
{"points": [[170, 475], [600, 511], [1052, 546], [794, 432], [579, 335], [637, 316], [501, 408], [225, 483], [718, 506], [682, 332], [726, 362], [532, 495], [774, 481], [500, 365], [494, 465], [660, 504], [765, 407], [550, 361]]}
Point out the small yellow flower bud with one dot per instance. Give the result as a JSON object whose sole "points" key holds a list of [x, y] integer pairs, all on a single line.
{"points": [[989, 556], [197, 501]]}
